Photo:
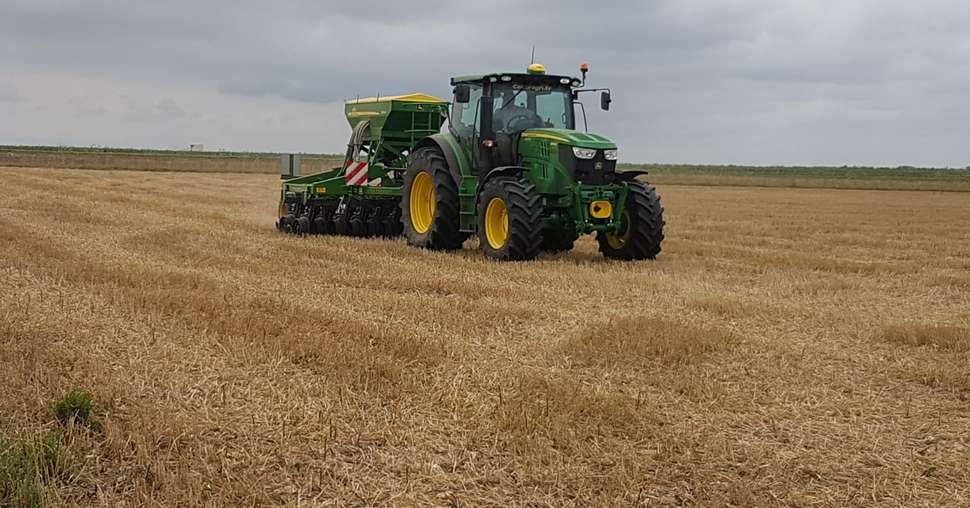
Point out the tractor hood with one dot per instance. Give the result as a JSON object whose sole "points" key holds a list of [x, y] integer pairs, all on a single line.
{"points": [[571, 138]]}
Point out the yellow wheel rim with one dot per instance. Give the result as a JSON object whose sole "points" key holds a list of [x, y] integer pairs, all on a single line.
{"points": [[496, 223], [422, 202], [619, 239]]}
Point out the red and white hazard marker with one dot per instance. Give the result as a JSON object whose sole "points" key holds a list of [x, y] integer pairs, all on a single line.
{"points": [[356, 173]]}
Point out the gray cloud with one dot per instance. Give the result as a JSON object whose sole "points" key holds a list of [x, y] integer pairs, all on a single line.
{"points": [[169, 108], [753, 81], [8, 93]]}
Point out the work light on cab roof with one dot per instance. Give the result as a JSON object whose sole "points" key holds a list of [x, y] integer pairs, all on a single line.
{"points": [[512, 168]]}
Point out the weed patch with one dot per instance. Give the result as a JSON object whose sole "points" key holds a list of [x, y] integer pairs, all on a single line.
{"points": [[76, 406], [27, 466]]}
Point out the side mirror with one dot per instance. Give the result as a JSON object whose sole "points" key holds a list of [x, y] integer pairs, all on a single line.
{"points": [[605, 100], [462, 94]]}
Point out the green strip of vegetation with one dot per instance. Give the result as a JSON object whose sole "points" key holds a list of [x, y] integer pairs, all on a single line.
{"points": [[148, 151], [904, 173], [936, 178]]}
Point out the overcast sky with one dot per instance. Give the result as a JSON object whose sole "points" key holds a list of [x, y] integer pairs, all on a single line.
{"points": [[746, 81]]}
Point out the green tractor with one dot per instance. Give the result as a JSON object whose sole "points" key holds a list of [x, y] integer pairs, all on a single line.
{"points": [[511, 168]]}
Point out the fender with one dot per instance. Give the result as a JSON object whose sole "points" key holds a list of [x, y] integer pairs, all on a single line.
{"points": [[457, 163], [626, 176], [501, 171]]}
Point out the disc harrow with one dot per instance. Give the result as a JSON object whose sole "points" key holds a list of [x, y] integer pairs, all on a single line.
{"points": [[360, 217]]}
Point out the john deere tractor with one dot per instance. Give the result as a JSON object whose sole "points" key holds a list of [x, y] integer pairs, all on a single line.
{"points": [[511, 168]]}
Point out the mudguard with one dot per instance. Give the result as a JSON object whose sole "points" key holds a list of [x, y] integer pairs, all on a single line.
{"points": [[626, 176], [501, 171], [458, 164]]}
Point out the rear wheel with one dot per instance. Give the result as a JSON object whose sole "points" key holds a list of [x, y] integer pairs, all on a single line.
{"points": [[509, 224], [429, 203], [642, 229]]}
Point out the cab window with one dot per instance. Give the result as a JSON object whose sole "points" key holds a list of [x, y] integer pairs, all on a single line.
{"points": [[519, 107], [464, 117], [555, 109]]}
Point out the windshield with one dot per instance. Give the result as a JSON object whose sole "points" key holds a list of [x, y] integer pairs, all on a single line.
{"points": [[527, 106]]}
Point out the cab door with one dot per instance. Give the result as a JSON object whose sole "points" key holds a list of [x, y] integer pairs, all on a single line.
{"points": [[464, 123]]}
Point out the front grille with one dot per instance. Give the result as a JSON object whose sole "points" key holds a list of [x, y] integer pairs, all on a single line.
{"points": [[595, 171]]}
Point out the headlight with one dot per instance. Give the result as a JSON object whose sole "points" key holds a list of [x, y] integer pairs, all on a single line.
{"points": [[610, 154], [584, 153]]}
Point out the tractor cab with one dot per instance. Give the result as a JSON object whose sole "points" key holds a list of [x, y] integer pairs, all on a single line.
{"points": [[492, 111]]}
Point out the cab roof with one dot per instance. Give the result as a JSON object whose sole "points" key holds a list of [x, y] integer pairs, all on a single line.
{"points": [[516, 76]]}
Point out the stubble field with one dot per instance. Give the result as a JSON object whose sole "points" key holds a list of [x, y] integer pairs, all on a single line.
{"points": [[800, 347]]}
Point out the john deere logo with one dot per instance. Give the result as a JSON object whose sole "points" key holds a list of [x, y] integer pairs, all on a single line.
{"points": [[598, 165]]}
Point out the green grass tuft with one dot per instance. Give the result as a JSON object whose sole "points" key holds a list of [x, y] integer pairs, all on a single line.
{"points": [[26, 466], [76, 405]]}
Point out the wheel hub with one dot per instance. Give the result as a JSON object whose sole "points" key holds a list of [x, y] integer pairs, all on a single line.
{"points": [[422, 202], [496, 223]]}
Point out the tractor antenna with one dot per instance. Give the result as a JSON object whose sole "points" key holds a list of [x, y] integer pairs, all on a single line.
{"points": [[533, 55]]}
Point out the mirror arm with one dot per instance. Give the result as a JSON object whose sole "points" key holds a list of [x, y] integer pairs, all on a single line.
{"points": [[581, 90]]}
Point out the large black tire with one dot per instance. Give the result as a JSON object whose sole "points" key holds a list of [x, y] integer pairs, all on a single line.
{"points": [[557, 239], [643, 226], [521, 206], [437, 229]]}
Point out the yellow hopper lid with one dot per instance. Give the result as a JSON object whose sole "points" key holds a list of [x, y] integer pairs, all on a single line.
{"points": [[412, 97]]}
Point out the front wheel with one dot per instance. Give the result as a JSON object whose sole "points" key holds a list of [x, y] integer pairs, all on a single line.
{"points": [[509, 220], [641, 229]]}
